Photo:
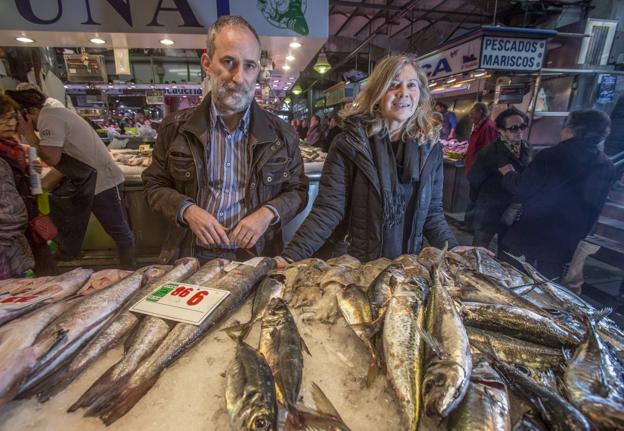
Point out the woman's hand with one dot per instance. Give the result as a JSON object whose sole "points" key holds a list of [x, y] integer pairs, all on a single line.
{"points": [[504, 170], [464, 248], [37, 165]]}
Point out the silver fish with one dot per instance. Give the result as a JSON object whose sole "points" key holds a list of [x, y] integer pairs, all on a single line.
{"points": [[486, 404], [447, 373], [240, 282], [250, 392]]}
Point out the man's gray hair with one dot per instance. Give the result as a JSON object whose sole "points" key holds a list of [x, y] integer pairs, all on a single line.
{"points": [[482, 108], [222, 22]]}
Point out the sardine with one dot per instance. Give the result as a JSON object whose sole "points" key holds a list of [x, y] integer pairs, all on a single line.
{"points": [[447, 373], [17, 357], [240, 282], [482, 263], [77, 325], [250, 392], [515, 351], [404, 347], [52, 290], [356, 310], [282, 347], [593, 381], [485, 406], [115, 331], [517, 322], [553, 409]]}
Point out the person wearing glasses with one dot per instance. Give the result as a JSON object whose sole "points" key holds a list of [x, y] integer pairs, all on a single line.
{"points": [[492, 201], [562, 192]]}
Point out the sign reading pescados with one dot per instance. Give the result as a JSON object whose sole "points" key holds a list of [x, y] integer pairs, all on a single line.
{"points": [[503, 53]]}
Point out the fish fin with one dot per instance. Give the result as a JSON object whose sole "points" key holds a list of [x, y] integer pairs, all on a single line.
{"points": [[55, 383], [242, 328], [431, 342], [304, 345], [374, 369], [323, 405]]}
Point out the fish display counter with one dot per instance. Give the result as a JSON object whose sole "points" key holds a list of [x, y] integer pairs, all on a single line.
{"points": [[438, 341]]}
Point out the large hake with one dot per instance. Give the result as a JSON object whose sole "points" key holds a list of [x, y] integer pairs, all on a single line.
{"points": [[240, 282]]}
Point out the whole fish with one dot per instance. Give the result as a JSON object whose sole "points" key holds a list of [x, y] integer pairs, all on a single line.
{"points": [[52, 290], [250, 392], [481, 262], [485, 406], [16, 286], [370, 271], [404, 347], [380, 291], [115, 331], [282, 347], [447, 373], [77, 325], [240, 282], [345, 261], [356, 310], [17, 357], [553, 409], [517, 322], [150, 333], [593, 382], [515, 351]]}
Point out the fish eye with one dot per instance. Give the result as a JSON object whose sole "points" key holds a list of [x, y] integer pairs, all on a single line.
{"points": [[261, 423]]}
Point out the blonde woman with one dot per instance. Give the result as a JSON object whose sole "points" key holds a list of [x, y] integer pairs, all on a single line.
{"points": [[381, 189]]}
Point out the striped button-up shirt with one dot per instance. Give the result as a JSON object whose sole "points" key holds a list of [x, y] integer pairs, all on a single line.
{"points": [[227, 170]]}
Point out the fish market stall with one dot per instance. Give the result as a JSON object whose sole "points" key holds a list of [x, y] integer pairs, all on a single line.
{"points": [[435, 341]]}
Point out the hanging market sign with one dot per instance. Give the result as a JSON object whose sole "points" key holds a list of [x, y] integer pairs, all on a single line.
{"points": [[505, 53], [268, 17], [154, 98], [454, 60], [183, 91]]}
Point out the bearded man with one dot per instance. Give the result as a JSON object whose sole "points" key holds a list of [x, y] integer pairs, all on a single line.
{"points": [[226, 174]]}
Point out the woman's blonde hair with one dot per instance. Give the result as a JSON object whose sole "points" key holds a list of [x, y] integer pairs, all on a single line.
{"points": [[420, 126]]}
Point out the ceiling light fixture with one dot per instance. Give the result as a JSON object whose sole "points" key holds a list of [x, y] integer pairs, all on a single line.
{"points": [[295, 45], [290, 57], [24, 39], [167, 42], [322, 65], [97, 41], [479, 73], [286, 67], [451, 80], [297, 90]]}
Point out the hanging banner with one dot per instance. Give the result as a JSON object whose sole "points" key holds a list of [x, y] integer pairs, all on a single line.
{"points": [[506, 53]]}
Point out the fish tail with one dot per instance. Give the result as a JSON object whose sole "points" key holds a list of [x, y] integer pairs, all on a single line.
{"points": [[55, 383], [95, 391], [239, 330], [117, 403], [325, 416]]}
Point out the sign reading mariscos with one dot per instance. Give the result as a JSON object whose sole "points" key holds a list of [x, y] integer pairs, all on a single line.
{"points": [[503, 53]]}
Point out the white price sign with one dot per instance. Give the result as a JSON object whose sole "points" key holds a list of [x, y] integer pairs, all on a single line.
{"points": [[182, 302]]}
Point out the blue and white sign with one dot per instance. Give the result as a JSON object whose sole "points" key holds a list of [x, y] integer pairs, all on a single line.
{"points": [[506, 53], [461, 58]]}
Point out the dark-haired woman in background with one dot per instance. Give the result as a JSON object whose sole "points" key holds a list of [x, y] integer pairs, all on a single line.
{"points": [[492, 201]]}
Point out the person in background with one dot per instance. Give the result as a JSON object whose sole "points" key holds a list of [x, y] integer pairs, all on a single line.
{"points": [[252, 182], [381, 189], [146, 130], [50, 101], [303, 128], [314, 135], [562, 192], [67, 143], [17, 205], [449, 121], [483, 133], [332, 132], [492, 201]]}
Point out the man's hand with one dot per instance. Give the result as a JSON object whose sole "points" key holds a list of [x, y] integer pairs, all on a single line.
{"points": [[463, 248], [205, 226], [251, 228], [506, 169]]}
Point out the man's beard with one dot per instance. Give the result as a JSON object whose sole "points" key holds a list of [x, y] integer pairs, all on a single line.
{"points": [[232, 98]]}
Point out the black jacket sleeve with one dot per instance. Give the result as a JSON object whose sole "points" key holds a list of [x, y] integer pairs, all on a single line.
{"points": [[328, 211], [436, 229], [531, 181]]}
